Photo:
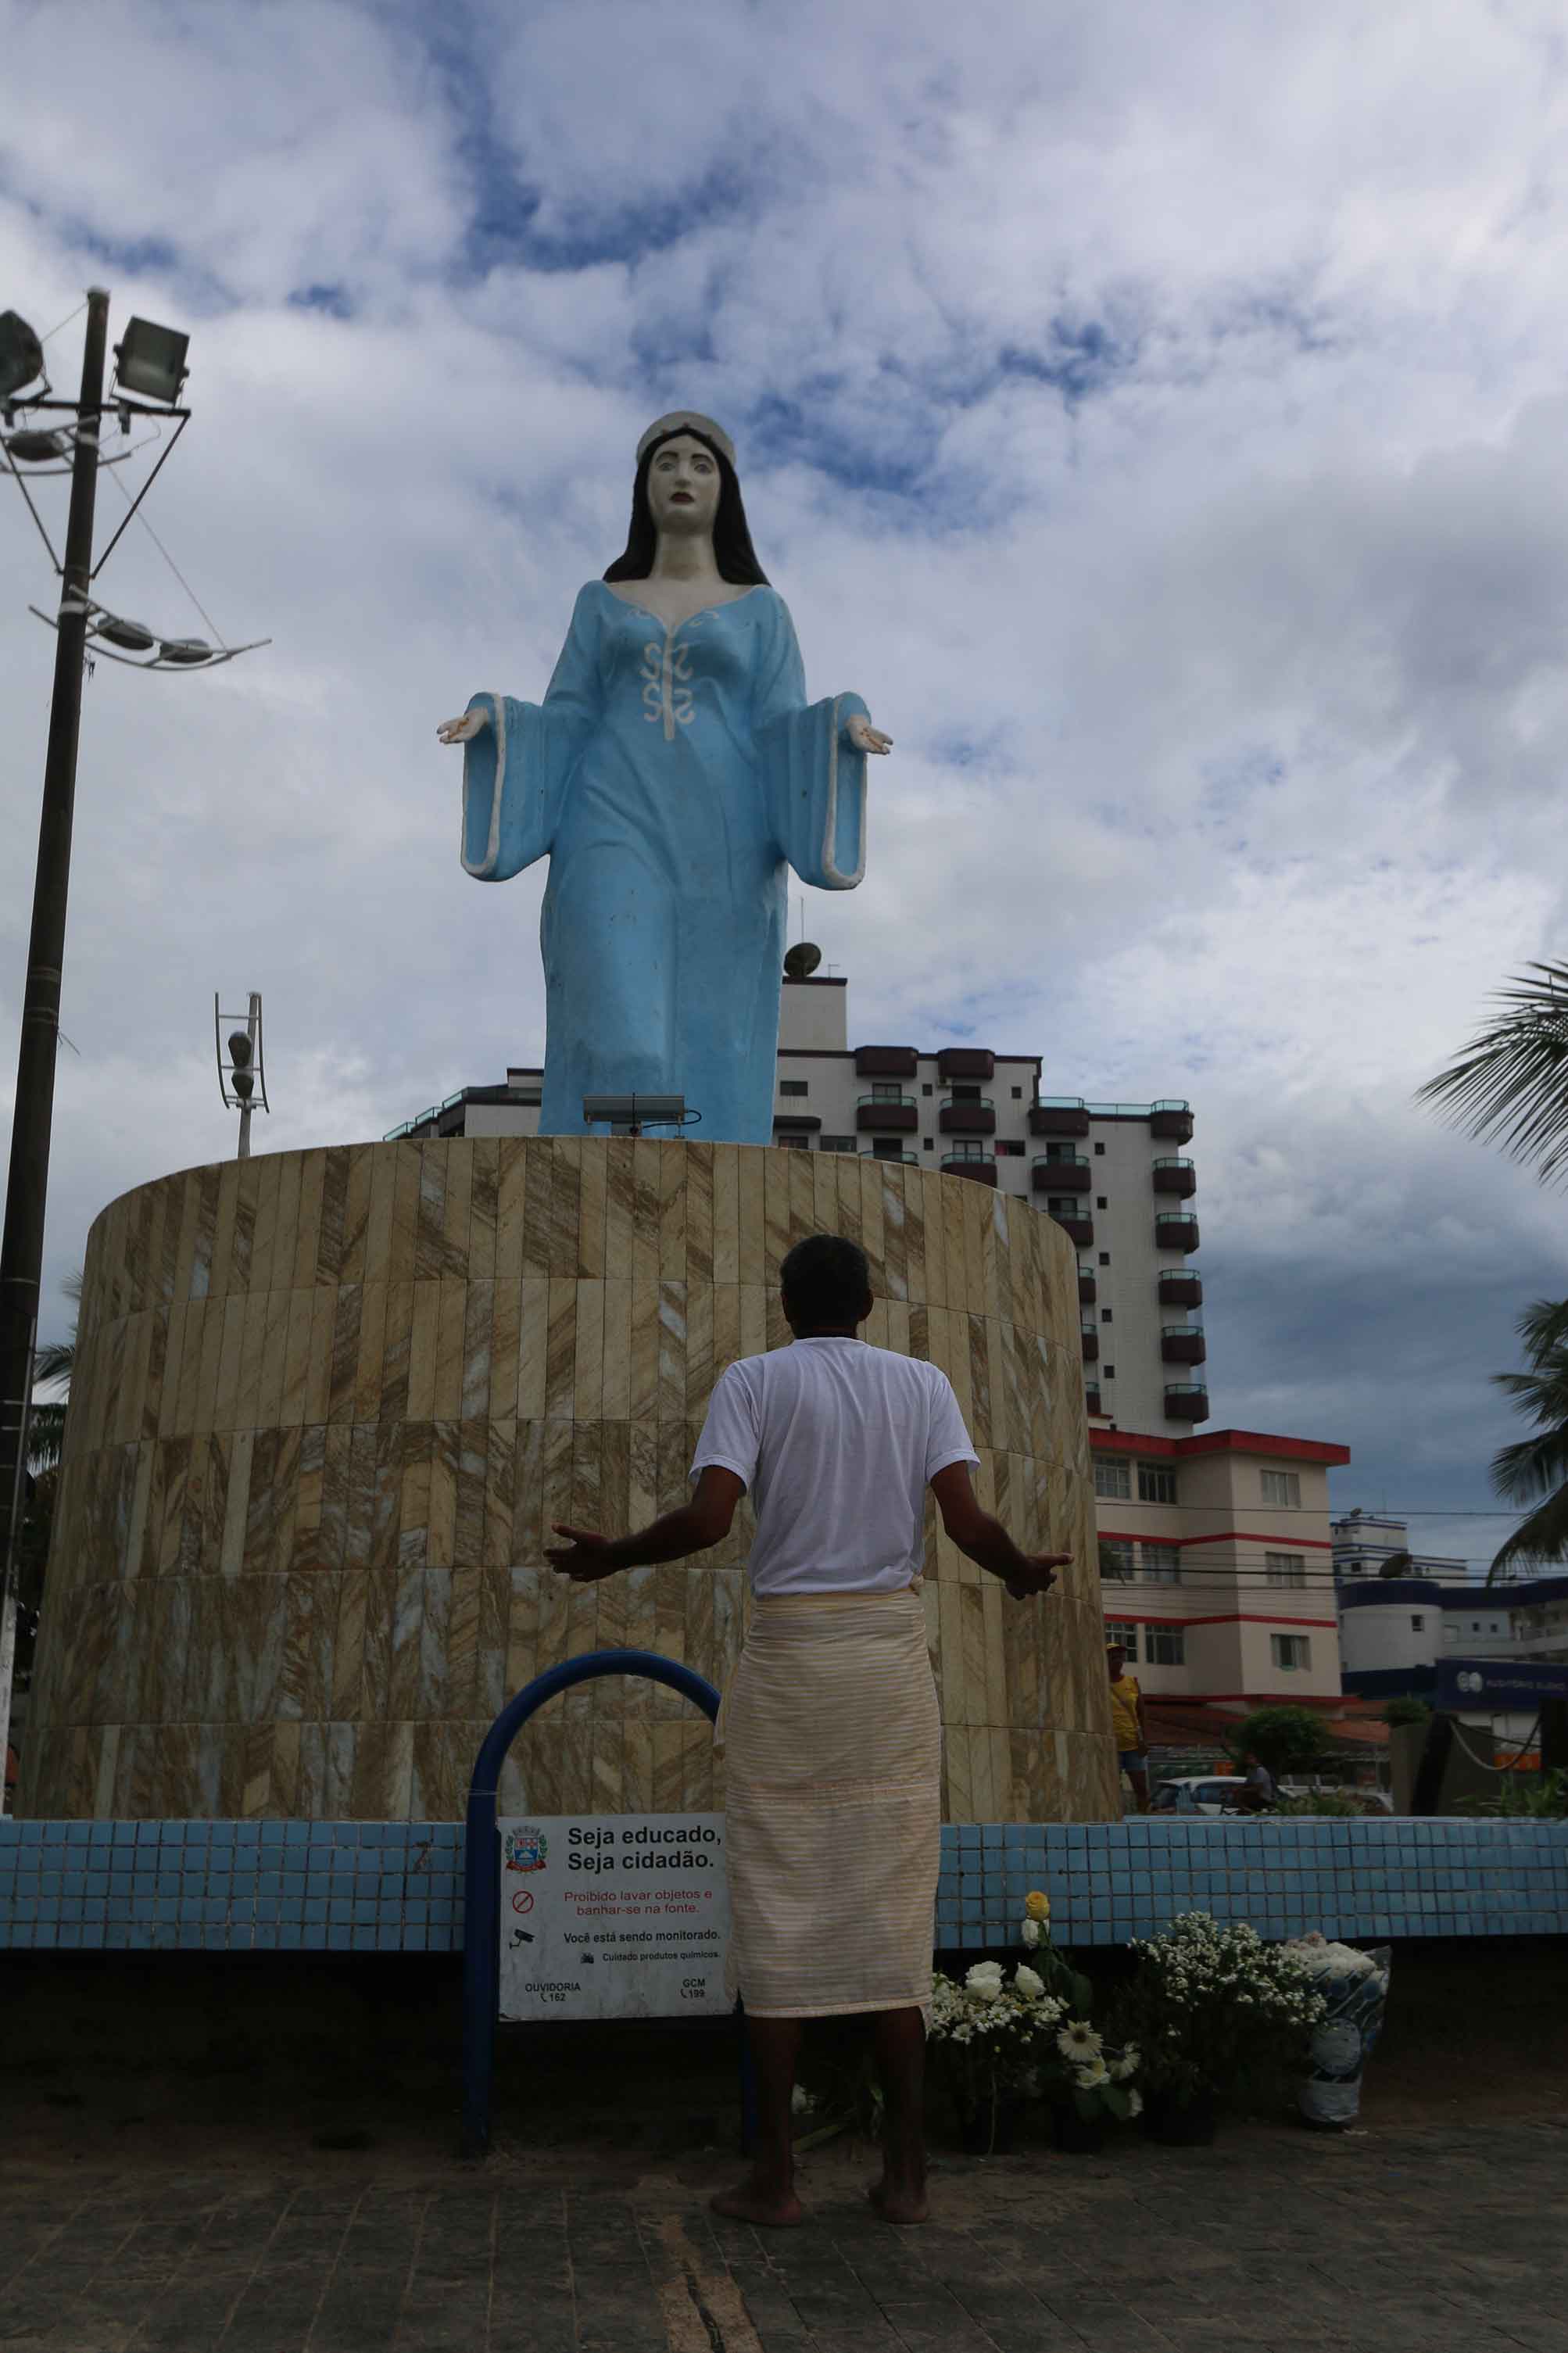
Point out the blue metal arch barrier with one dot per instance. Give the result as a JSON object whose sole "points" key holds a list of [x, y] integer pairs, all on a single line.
{"points": [[481, 1862]]}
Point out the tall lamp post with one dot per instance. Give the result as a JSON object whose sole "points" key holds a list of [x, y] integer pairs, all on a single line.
{"points": [[149, 367]]}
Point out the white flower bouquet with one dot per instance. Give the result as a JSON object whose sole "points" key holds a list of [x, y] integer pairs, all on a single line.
{"points": [[1215, 2010], [989, 2035], [1353, 1986]]}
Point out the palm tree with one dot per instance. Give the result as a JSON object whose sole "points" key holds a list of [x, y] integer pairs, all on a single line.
{"points": [[1511, 1082], [52, 1363], [1538, 1466]]}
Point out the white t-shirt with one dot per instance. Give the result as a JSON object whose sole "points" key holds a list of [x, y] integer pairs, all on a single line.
{"points": [[835, 1440]]}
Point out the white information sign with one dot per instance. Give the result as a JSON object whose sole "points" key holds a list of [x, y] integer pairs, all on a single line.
{"points": [[613, 1916]]}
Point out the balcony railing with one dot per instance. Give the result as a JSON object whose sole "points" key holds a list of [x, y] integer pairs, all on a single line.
{"points": [[1059, 1115], [958, 1117], [1180, 1286], [1176, 1230], [1183, 1343], [894, 1115], [1090, 1342], [909, 1159], [1187, 1401], [1054, 1173], [966, 1062], [885, 1062], [981, 1166], [1092, 1396], [1088, 1285], [1176, 1177], [1073, 1218], [1171, 1119]]}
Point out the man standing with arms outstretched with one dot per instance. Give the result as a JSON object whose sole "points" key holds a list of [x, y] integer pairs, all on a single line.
{"points": [[830, 1725]]}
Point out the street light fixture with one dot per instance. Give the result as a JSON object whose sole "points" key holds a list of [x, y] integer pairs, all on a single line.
{"points": [[21, 355], [150, 361], [152, 367], [245, 1069]]}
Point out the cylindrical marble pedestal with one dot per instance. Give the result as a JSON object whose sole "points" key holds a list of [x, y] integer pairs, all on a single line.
{"points": [[326, 1405]]}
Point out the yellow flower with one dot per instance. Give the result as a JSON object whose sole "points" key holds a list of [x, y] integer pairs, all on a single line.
{"points": [[1036, 1905]]}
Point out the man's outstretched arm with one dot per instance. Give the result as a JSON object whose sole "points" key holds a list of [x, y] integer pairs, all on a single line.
{"points": [[695, 1527], [986, 1542]]}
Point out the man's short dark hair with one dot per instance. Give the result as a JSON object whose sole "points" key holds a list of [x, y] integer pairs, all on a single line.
{"points": [[826, 1280]]}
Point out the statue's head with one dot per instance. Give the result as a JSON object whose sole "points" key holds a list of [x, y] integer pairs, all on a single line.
{"points": [[686, 481]]}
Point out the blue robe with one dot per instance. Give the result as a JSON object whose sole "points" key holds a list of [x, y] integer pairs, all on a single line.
{"points": [[669, 777]]}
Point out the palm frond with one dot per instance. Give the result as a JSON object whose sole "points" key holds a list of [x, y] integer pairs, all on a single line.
{"points": [[1543, 1536], [1531, 1466], [54, 1361], [1509, 1084], [46, 1436], [1543, 1328]]}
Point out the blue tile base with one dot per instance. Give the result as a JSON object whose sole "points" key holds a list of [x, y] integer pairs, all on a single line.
{"points": [[398, 1886]]}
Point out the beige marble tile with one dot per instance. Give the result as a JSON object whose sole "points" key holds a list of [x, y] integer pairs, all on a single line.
{"points": [[592, 1209], [671, 1212], [616, 1392], [422, 1350], [450, 1334], [588, 1383], [565, 1207], [512, 1206], [532, 1346], [484, 1153]]}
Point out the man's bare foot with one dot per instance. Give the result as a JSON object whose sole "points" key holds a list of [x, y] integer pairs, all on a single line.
{"points": [[756, 2201], [896, 2204]]}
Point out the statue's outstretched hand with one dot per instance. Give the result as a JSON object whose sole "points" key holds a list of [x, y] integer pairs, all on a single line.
{"points": [[866, 738], [464, 729]]}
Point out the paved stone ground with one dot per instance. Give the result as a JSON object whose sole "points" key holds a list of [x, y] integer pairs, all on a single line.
{"points": [[1425, 2237]]}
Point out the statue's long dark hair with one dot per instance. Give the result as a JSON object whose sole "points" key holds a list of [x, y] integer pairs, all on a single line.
{"points": [[733, 549]]}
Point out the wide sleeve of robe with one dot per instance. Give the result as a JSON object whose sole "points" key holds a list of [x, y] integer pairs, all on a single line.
{"points": [[814, 776], [516, 772]]}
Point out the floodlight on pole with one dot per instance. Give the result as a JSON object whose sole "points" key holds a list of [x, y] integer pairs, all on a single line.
{"points": [[629, 1114], [244, 1072], [21, 355], [150, 360]]}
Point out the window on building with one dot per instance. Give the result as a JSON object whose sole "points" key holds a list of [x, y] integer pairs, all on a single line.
{"points": [[1101, 1201], [1018, 1095], [925, 1087], [1125, 1631], [1156, 1484], [1291, 1653], [1167, 1646], [1285, 1567], [884, 1091], [1108, 1372], [795, 1086], [1113, 1479], [1105, 1315], [1417, 1625], [1061, 1152], [967, 1149], [1115, 1560], [926, 1145], [837, 1143], [792, 1140], [1099, 1151], [1283, 1489], [1008, 1150], [1161, 1564], [1105, 1257]]}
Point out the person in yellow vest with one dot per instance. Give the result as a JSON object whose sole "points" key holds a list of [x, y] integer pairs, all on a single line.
{"points": [[1127, 1724]]}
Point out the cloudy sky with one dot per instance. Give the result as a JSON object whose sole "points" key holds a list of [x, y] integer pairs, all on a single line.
{"points": [[1160, 413]]}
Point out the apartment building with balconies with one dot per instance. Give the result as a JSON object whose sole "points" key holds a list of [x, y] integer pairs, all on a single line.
{"points": [[1114, 1177], [1217, 1563]]}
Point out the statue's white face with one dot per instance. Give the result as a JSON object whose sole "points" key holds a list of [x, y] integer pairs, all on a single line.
{"points": [[683, 487]]}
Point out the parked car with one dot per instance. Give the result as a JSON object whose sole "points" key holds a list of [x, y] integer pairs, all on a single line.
{"points": [[1199, 1793]]}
